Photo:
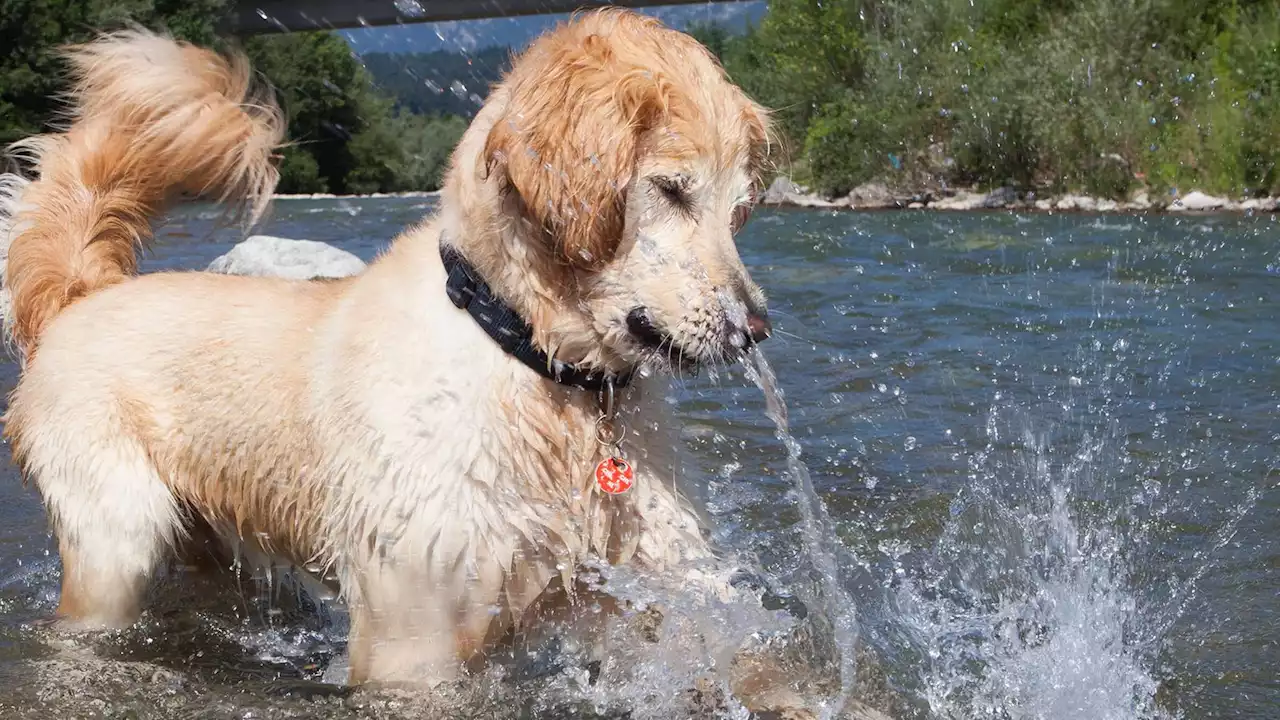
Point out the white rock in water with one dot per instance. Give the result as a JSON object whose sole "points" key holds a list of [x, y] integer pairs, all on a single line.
{"points": [[268, 256], [1196, 201], [11, 189]]}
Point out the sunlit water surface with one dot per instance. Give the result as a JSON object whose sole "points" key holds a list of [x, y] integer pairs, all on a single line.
{"points": [[1045, 448]]}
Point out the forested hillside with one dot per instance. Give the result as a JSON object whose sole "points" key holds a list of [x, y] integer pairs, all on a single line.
{"points": [[1105, 97], [439, 82]]}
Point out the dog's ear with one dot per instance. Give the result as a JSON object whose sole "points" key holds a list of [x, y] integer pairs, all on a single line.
{"points": [[760, 138], [567, 139]]}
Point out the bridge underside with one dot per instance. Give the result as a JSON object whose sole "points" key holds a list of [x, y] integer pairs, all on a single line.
{"points": [[266, 16]]}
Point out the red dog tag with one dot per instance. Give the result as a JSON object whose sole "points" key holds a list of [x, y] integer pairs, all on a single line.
{"points": [[614, 475]]}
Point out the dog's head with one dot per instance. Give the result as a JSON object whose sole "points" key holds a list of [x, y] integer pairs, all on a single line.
{"points": [[633, 161]]}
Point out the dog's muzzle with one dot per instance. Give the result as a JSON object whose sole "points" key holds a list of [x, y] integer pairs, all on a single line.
{"points": [[640, 324]]}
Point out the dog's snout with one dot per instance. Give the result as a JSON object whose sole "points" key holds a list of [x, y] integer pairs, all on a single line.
{"points": [[759, 327]]}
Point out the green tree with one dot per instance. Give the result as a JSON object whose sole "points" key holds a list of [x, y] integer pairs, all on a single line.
{"points": [[343, 135], [428, 144], [327, 98], [31, 31]]}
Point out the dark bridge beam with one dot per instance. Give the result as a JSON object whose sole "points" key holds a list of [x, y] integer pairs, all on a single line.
{"points": [[249, 18]]}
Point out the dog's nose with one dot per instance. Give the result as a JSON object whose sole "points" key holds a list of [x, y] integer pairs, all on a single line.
{"points": [[759, 327], [640, 323]]}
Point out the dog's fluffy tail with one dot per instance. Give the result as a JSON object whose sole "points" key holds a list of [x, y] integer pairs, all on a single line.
{"points": [[151, 120]]}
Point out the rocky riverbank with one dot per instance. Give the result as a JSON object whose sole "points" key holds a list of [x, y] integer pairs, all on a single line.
{"points": [[875, 196]]}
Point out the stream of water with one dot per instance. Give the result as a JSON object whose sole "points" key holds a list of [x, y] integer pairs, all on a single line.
{"points": [[817, 532]]}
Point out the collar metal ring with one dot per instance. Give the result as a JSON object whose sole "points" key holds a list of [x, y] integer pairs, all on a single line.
{"points": [[609, 432]]}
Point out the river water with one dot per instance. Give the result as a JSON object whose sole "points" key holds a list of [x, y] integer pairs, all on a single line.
{"points": [[1045, 446]]}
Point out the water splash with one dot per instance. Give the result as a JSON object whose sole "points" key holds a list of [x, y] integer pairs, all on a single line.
{"points": [[649, 672], [1028, 606], [816, 530], [410, 8]]}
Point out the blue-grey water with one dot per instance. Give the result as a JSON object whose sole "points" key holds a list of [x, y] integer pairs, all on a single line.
{"points": [[1047, 446]]}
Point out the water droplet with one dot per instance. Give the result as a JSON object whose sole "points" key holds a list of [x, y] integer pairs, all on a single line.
{"points": [[410, 8]]}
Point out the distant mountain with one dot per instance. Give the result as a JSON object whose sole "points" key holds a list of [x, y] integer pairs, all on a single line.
{"points": [[447, 67], [438, 82], [514, 32]]}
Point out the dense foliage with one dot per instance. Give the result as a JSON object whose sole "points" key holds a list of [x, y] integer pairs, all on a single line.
{"points": [[31, 31], [348, 137], [1102, 96], [345, 135], [1106, 97]]}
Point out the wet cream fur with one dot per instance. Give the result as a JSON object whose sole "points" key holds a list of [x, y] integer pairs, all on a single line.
{"points": [[366, 426]]}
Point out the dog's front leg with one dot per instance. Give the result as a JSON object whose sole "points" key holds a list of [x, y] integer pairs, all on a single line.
{"points": [[409, 629], [763, 674], [400, 646]]}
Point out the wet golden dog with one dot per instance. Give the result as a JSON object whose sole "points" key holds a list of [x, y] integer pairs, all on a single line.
{"points": [[370, 425]]}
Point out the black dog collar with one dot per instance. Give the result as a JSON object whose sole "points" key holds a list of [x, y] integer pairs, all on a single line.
{"points": [[468, 291]]}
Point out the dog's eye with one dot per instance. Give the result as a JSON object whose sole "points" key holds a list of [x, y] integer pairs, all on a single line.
{"points": [[741, 214], [673, 188]]}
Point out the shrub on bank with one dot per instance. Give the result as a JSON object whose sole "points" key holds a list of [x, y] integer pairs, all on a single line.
{"points": [[1094, 96]]}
